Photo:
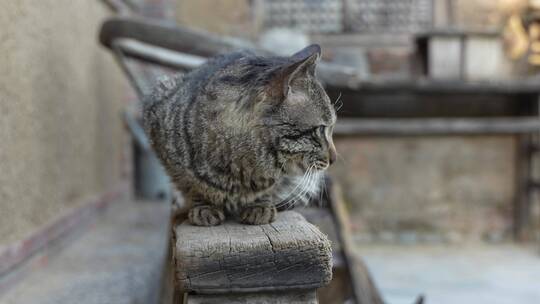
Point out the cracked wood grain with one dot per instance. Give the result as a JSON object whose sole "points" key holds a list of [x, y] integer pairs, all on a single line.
{"points": [[306, 297], [287, 254]]}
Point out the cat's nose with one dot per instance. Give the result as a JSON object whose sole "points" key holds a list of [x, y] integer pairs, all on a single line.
{"points": [[332, 155]]}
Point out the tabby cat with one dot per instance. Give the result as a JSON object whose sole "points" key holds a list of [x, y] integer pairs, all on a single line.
{"points": [[243, 134]]}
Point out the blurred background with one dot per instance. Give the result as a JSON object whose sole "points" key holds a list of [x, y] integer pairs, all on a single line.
{"points": [[438, 133]]}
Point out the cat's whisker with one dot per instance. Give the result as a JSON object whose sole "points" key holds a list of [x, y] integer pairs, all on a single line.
{"points": [[338, 99], [340, 106], [304, 186], [326, 195], [304, 189], [292, 193], [315, 191], [321, 192], [282, 167], [306, 194]]}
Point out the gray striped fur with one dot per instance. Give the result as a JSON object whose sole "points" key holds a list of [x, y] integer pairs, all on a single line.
{"points": [[243, 134]]}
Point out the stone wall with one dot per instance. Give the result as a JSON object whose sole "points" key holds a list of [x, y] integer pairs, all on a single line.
{"points": [[232, 17], [61, 136], [484, 14], [428, 188]]}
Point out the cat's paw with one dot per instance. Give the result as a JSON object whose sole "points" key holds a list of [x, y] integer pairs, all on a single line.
{"points": [[258, 215], [205, 215]]}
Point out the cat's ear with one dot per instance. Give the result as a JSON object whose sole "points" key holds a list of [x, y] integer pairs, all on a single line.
{"points": [[306, 60], [301, 64]]}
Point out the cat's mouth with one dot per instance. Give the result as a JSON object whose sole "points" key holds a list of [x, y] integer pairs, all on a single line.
{"points": [[316, 165], [320, 165], [301, 166]]}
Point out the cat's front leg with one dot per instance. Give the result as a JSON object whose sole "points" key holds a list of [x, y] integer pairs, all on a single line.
{"points": [[258, 213], [205, 215]]}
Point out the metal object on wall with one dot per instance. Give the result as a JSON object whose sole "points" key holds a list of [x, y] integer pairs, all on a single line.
{"points": [[360, 16], [470, 55], [324, 16], [151, 181], [388, 16]]}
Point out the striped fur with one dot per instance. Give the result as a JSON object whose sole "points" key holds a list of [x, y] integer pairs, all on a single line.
{"points": [[243, 134]]}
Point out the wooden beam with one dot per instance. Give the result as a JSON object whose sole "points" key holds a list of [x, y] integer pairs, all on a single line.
{"points": [[363, 286], [289, 254], [169, 36], [158, 55], [308, 297], [436, 126], [523, 187], [426, 85]]}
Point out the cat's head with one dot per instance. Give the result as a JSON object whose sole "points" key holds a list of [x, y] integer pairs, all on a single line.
{"points": [[301, 115]]}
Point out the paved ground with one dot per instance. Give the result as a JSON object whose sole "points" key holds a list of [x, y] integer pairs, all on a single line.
{"points": [[119, 260], [501, 274]]}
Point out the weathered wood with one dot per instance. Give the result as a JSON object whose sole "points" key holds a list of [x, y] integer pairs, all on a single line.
{"points": [[424, 85], [154, 43], [287, 254], [522, 200], [158, 55], [324, 220], [167, 35], [364, 289], [294, 297], [352, 281], [432, 126]]}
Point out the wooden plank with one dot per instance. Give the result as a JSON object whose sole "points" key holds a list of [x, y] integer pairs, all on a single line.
{"points": [[184, 48], [157, 55], [167, 35], [364, 289], [522, 180], [323, 219], [423, 85], [328, 73], [436, 126], [294, 297], [363, 105], [290, 253]]}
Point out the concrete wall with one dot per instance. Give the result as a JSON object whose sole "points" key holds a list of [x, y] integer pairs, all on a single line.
{"points": [[485, 14], [231, 17], [60, 99], [435, 188]]}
